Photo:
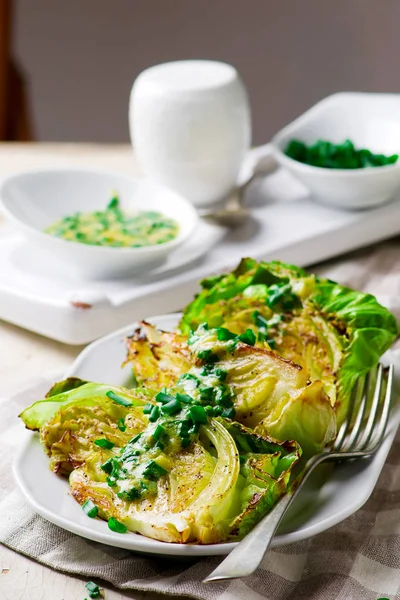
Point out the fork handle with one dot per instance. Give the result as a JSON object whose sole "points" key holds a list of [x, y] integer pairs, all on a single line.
{"points": [[248, 554], [246, 557]]}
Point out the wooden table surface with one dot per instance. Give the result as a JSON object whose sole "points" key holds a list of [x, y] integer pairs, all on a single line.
{"points": [[25, 355]]}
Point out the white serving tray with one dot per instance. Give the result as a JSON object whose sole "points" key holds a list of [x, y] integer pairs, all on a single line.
{"points": [[285, 224]]}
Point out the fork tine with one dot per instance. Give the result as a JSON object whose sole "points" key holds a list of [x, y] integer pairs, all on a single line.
{"points": [[369, 427], [379, 435], [348, 444], [344, 429]]}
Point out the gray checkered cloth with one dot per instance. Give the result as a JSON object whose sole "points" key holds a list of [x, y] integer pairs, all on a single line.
{"points": [[359, 559]]}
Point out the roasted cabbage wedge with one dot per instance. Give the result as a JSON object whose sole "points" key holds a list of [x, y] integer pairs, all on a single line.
{"points": [[334, 333], [159, 357], [264, 390], [75, 413], [164, 468]]}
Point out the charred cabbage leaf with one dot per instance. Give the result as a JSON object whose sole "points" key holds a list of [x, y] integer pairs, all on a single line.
{"points": [[253, 385], [71, 420], [214, 488], [334, 333], [159, 357]]}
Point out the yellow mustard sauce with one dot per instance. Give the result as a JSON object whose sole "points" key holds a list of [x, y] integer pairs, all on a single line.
{"points": [[116, 228]]}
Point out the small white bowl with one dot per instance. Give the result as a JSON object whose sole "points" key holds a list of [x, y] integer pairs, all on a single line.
{"points": [[33, 200], [370, 121]]}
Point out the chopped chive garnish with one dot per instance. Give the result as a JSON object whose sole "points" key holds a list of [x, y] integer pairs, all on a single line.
{"points": [[148, 408], [103, 443], [248, 337], [207, 355], [154, 414], [90, 509], [171, 407], [224, 334], [163, 397], [184, 398], [93, 589], [260, 321], [114, 202], [158, 432], [121, 425], [118, 399], [107, 466], [229, 413], [136, 437], [207, 393], [220, 373], [198, 414], [132, 494], [153, 470], [116, 526]]}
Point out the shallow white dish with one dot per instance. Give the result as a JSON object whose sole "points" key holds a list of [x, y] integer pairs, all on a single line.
{"points": [[370, 121], [33, 200], [327, 498]]}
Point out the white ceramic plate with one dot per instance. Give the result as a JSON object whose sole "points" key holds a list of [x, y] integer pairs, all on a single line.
{"points": [[327, 498]]}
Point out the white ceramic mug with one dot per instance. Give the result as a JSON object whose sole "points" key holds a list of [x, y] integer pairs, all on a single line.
{"points": [[190, 126]]}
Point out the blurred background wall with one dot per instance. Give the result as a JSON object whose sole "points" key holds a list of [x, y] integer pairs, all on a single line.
{"points": [[80, 57]]}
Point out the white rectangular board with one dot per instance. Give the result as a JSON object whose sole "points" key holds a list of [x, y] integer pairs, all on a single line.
{"points": [[285, 224]]}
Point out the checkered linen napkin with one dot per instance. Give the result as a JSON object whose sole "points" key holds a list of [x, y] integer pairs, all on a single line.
{"points": [[359, 559]]}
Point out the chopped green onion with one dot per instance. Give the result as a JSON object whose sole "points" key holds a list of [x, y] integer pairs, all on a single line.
{"points": [[148, 408], [121, 425], [155, 413], [116, 526], [224, 334], [107, 466], [114, 202], [103, 443], [136, 437], [171, 407], [248, 337], [184, 398], [328, 155], [198, 414], [207, 355], [260, 321], [158, 432], [153, 470], [90, 509], [93, 589], [118, 399], [220, 373], [132, 494], [207, 393], [229, 413], [163, 397]]}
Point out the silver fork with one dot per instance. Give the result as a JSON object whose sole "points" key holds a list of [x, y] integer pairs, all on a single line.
{"points": [[360, 436]]}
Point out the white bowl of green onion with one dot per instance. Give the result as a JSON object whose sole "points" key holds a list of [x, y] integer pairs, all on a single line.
{"points": [[98, 225], [345, 149]]}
